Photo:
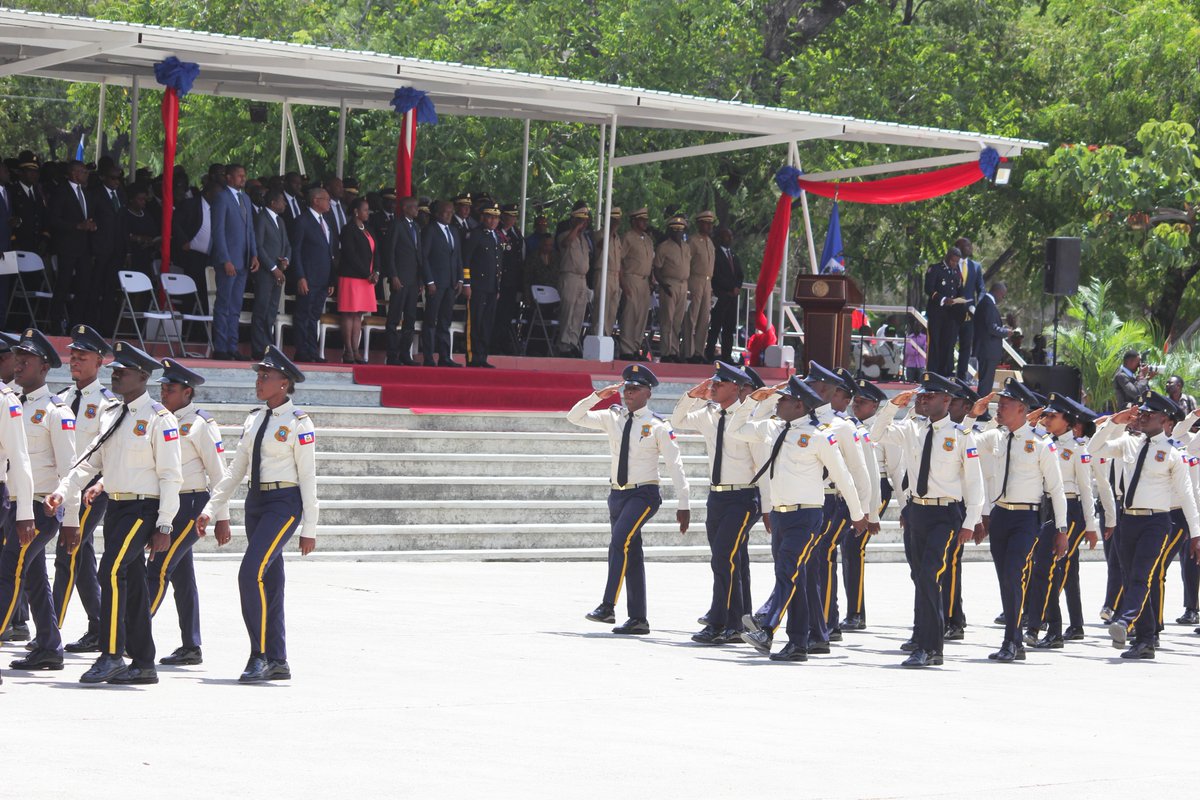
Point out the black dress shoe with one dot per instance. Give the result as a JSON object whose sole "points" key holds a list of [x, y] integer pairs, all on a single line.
{"points": [[791, 652], [919, 658], [1188, 618], [183, 657], [706, 636], [818, 648], [1006, 654], [603, 614], [135, 676], [446, 362], [15, 633], [728, 636], [853, 624], [999, 620], [1049, 642], [1106, 614], [408, 362], [703, 620], [752, 622], [236, 357], [632, 627], [88, 643], [223, 356], [759, 640], [1119, 633], [278, 670], [1073, 633], [106, 666], [909, 647], [627, 357], [255, 671], [428, 363], [39, 660], [835, 635], [1140, 650], [1030, 638], [953, 634], [31, 645]]}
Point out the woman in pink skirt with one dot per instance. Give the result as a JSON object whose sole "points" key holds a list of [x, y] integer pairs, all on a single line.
{"points": [[356, 279]]}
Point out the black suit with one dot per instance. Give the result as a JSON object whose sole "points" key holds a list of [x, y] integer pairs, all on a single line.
{"points": [[185, 225], [728, 277], [990, 333], [30, 234], [512, 283], [403, 260], [484, 267], [313, 254], [443, 267], [110, 245], [942, 282], [74, 252], [972, 290]]}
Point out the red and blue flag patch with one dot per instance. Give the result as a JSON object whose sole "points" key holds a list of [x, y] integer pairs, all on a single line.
{"points": [[972, 452], [68, 424], [170, 434], [309, 438]]}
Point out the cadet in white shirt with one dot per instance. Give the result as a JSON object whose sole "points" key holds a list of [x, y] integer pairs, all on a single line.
{"points": [[203, 467], [762, 451], [635, 496], [75, 567], [50, 436], [732, 495], [1160, 479], [946, 488], [867, 400], [138, 453], [18, 626], [803, 448], [1177, 541], [283, 496], [1025, 469]]}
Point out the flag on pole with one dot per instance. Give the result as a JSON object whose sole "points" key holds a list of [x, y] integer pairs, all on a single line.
{"points": [[79, 149], [833, 262]]}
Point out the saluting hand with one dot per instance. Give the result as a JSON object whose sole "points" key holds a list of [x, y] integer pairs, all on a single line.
{"points": [[903, 399], [1033, 416], [1124, 416], [701, 390], [609, 391], [758, 395], [981, 405]]}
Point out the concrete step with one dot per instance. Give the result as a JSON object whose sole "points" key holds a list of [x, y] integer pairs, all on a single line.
{"points": [[535, 467], [366, 440]]}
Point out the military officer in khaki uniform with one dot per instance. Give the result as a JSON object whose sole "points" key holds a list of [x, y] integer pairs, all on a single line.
{"points": [[575, 257], [704, 259], [637, 260], [612, 289], [672, 266]]}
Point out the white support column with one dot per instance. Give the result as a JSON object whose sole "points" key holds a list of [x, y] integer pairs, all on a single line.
{"points": [[295, 141], [524, 178], [135, 96], [341, 144], [100, 120], [283, 122], [600, 171], [600, 348]]}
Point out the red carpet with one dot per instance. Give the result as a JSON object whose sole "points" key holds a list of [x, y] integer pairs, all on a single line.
{"points": [[437, 390]]}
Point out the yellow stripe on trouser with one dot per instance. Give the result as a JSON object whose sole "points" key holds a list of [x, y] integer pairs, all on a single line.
{"points": [[12, 604], [262, 592], [829, 566], [469, 359], [62, 612], [625, 563], [1026, 572], [862, 569], [114, 613], [162, 574], [1162, 575], [945, 555], [812, 539], [1150, 578], [1050, 579], [737, 544], [953, 580]]}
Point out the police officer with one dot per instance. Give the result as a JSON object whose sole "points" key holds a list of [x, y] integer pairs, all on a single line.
{"points": [[703, 263], [802, 450], [637, 261], [203, 467], [636, 438], [1180, 532], [1159, 479], [50, 436], [138, 453], [867, 399], [946, 501], [17, 629], [1025, 465], [75, 567], [18, 487], [732, 495], [575, 258], [282, 497], [482, 269], [671, 270]]}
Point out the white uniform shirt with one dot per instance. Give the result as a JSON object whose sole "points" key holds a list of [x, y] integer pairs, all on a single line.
{"points": [[1165, 479], [740, 460], [862, 435], [1075, 464], [201, 449], [1104, 491], [847, 439], [650, 437], [1033, 470], [50, 433], [92, 400], [14, 449]]}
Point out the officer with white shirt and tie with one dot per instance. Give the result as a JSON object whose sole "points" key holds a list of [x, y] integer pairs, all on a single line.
{"points": [[803, 450], [867, 399], [637, 437], [18, 485], [1159, 480], [138, 453]]}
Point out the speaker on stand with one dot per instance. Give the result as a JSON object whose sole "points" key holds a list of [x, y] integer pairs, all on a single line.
{"points": [[1061, 275]]}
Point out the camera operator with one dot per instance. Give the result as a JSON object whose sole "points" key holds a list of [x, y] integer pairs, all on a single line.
{"points": [[1132, 380]]}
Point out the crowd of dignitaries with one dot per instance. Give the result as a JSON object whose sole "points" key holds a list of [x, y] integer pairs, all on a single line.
{"points": [[819, 459], [153, 473]]}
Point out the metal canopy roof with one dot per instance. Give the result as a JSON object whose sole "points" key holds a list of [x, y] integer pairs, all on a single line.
{"points": [[80, 49]]}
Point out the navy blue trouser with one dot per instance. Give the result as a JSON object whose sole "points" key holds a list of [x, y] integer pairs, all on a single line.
{"points": [[743, 572], [822, 576], [1177, 543], [1112, 557], [23, 572], [8, 522], [177, 568], [799, 532], [768, 606], [1191, 580], [628, 511], [728, 522], [952, 606], [854, 556], [271, 520], [1013, 535], [75, 570], [125, 606], [1144, 543], [934, 532], [1042, 609]]}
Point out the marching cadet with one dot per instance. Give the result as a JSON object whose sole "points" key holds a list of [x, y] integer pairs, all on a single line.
{"points": [[1119, 467], [1180, 534], [637, 260], [1159, 479], [612, 286], [138, 453], [946, 501], [866, 402], [282, 496], [796, 472], [75, 567], [733, 496], [672, 267], [1064, 419], [1026, 464], [836, 391], [635, 496], [762, 452], [702, 265], [18, 486], [18, 626], [203, 467], [1104, 481], [50, 438], [482, 270]]}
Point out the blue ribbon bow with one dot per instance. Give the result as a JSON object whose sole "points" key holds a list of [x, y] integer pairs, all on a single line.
{"points": [[176, 74], [787, 178], [407, 98], [989, 160]]}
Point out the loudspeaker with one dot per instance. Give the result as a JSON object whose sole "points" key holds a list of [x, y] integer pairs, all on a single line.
{"points": [[258, 112], [1062, 379], [1062, 265]]}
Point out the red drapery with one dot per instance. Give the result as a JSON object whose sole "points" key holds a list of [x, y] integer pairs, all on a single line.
{"points": [[764, 335], [405, 147], [170, 121], [901, 188]]}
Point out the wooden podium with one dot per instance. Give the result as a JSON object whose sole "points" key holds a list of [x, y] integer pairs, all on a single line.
{"points": [[828, 303]]}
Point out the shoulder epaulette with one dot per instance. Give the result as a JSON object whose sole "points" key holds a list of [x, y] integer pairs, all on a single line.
{"points": [[958, 427], [299, 414], [56, 400], [824, 426], [841, 414], [159, 409], [8, 390], [204, 415], [107, 394], [1081, 440], [1038, 432]]}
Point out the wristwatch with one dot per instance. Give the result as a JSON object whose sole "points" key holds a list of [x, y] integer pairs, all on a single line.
{"points": [[164, 530]]}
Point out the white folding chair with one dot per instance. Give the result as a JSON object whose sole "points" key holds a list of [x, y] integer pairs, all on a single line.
{"points": [[283, 319], [176, 284], [136, 283], [543, 296], [371, 322], [27, 286]]}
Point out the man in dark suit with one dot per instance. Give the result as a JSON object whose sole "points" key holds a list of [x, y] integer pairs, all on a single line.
{"points": [[942, 283], [990, 333], [234, 254], [402, 265], [293, 195], [274, 255], [970, 272], [482, 270], [29, 211], [110, 246], [512, 281], [191, 238], [727, 280], [313, 249], [72, 225], [6, 234], [381, 221], [443, 271]]}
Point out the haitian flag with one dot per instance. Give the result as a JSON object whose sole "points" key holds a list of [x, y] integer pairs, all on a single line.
{"points": [[833, 262]]}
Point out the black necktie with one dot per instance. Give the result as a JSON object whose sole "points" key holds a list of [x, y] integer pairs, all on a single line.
{"points": [[720, 450], [75, 403], [770, 465], [926, 456], [256, 453], [22, 398], [623, 458], [104, 437], [116, 201], [412, 231], [1007, 462], [1137, 473]]}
